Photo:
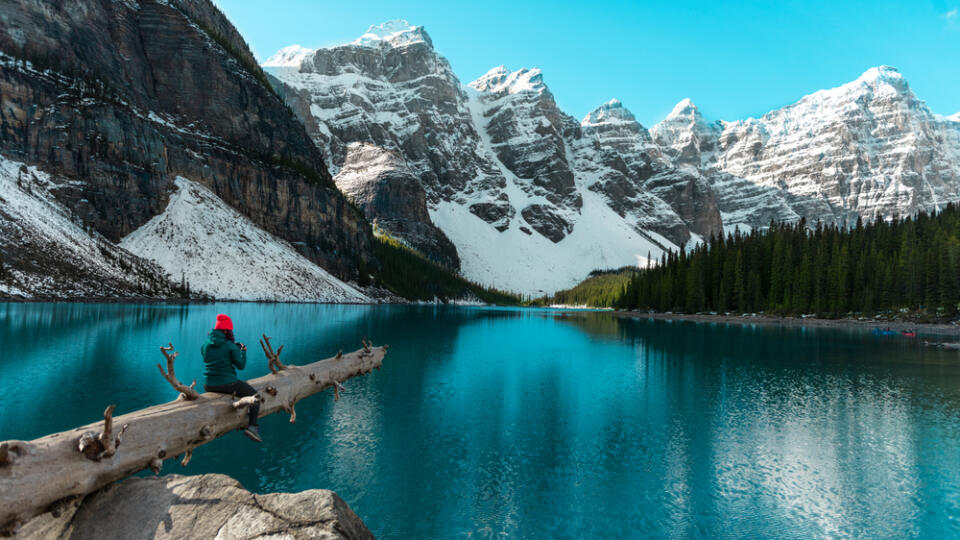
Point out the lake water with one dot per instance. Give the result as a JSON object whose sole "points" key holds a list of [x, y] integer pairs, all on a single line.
{"points": [[524, 424]]}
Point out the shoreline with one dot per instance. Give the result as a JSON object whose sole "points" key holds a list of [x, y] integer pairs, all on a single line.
{"points": [[938, 329]]}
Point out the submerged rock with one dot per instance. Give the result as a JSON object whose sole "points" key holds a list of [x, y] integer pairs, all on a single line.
{"points": [[203, 506]]}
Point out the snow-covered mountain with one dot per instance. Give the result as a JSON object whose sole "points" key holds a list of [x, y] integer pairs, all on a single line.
{"points": [[491, 177], [865, 149]]}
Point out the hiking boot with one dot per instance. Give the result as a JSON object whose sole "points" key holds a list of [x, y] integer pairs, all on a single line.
{"points": [[253, 432]]}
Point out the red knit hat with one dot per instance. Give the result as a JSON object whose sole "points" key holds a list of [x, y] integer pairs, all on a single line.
{"points": [[223, 323]]}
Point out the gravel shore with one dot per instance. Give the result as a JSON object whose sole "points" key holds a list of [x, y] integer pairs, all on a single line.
{"points": [[938, 329]]}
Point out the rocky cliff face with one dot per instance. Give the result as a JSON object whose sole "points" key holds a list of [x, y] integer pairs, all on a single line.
{"points": [[635, 177], [390, 91], [867, 149], [205, 506], [123, 97]]}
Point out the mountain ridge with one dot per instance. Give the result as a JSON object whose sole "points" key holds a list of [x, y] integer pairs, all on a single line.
{"points": [[863, 149]]}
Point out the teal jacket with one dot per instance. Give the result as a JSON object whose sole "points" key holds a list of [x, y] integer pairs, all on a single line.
{"points": [[222, 358]]}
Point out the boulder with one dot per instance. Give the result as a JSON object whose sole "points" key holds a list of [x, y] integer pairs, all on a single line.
{"points": [[203, 506]]}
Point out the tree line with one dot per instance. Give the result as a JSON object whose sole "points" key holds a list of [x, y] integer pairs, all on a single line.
{"points": [[899, 264], [407, 273]]}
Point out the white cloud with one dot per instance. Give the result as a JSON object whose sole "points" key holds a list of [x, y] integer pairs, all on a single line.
{"points": [[951, 15]]}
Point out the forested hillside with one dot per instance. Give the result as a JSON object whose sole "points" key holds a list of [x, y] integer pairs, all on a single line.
{"points": [[910, 264]]}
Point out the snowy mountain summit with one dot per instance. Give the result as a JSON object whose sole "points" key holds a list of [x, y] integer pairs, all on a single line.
{"points": [[291, 56], [494, 179], [612, 111], [501, 80], [395, 33]]}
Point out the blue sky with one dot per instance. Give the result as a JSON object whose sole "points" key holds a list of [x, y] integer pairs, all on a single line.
{"points": [[733, 59]]}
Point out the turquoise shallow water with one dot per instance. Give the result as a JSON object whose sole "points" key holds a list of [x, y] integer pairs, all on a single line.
{"points": [[491, 423]]}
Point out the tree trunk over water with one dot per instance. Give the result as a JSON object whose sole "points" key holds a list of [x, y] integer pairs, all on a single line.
{"points": [[36, 474]]}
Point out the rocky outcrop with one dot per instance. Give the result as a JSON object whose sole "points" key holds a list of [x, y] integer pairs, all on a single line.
{"points": [[391, 196], [637, 180], [205, 506], [123, 97], [526, 131]]}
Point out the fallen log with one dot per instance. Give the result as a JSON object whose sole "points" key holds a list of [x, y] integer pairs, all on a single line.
{"points": [[35, 475]]}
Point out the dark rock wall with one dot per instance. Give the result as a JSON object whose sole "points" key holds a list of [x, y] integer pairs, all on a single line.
{"points": [[126, 96]]}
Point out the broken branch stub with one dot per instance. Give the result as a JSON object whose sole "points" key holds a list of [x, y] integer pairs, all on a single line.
{"points": [[188, 392], [246, 401], [97, 447], [291, 409], [337, 388], [273, 358], [10, 451]]}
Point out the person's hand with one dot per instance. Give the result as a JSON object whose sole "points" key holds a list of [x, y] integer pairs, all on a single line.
{"points": [[242, 346]]}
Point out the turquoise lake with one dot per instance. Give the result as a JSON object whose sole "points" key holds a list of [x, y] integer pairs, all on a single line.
{"points": [[490, 423]]}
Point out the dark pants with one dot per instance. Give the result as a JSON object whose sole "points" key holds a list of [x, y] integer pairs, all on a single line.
{"points": [[241, 389]]}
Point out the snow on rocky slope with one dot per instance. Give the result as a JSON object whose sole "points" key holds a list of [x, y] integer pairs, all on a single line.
{"points": [[865, 149], [504, 173], [290, 56], [49, 254], [222, 253]]}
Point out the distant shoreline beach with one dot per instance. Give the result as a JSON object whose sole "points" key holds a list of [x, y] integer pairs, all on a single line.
{"points": [[939, 329]]}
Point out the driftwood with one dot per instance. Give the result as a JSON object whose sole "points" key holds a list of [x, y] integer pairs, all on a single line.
{"points": [[37, 474]]}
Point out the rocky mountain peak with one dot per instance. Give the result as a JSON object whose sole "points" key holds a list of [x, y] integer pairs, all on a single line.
{"points": [[290, 56], [883, 83], [882, 75], [500, 80], [395, 33], [685, 109], [611, 112]]}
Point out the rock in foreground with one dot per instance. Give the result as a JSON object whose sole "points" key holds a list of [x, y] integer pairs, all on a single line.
{"points": [[204, 506]]}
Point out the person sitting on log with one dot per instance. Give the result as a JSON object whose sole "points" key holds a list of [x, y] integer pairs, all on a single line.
{"points": [[222, 357]]}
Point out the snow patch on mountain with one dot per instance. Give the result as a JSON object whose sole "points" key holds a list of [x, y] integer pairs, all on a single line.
{"points": [[611, 112], [291, 56], [517, 260], [501, 80], [56, 257], [395, 33], [222, 253]]}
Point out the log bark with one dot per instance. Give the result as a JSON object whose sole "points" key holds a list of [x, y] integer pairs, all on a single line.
{"points": [[34, 475]]}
